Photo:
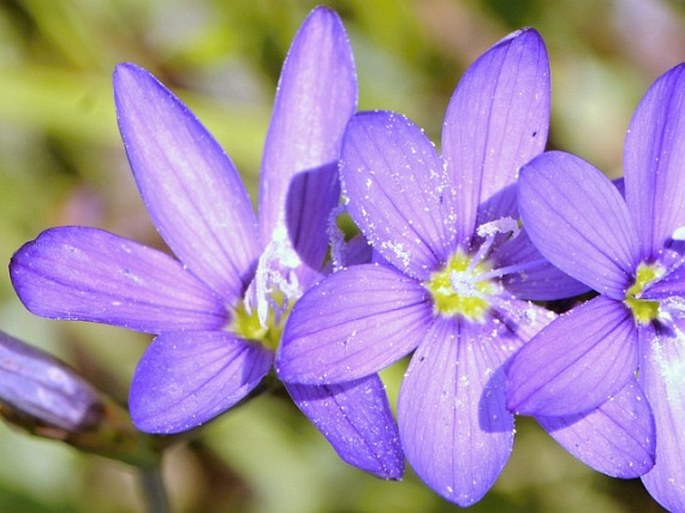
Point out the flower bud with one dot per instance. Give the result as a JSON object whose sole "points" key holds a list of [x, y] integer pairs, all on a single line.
{"points": [[39, 389]]}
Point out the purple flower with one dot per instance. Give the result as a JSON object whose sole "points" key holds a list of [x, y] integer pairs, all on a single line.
{"points": [[454, 264], [218, 309], [631, 252]]}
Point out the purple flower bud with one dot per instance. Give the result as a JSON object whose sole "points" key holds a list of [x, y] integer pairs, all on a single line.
{"points": [[37, 387]]}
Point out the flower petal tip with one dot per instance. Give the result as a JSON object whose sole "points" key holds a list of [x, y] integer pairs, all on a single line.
{"points": [[356, 419], [185, 379], [529, 34], [127, 75]]}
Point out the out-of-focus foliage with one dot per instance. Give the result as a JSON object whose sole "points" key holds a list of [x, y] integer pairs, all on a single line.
{"points": [[61, 162]]}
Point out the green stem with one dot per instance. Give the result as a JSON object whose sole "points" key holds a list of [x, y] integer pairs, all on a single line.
{"points": [[154, 491]]}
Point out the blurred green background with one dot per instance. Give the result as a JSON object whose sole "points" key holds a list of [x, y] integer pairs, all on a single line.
{"points": [[61, 162]]}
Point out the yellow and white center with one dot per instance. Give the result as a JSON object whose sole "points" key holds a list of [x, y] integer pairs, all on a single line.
{"points": [[461, 289]]}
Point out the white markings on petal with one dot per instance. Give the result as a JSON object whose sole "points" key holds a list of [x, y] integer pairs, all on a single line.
{"points": [[679, 233]]}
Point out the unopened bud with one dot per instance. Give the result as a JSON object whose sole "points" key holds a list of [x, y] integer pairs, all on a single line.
{"points": [[37, 387]]}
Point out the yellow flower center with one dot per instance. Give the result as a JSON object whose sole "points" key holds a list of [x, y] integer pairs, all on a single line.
{"points": [[246, 324], [644, 311], [459, 289]]}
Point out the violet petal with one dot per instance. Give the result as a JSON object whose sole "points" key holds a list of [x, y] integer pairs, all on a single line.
{"points": [[312, 196], [316, 96], [617, 438], [653, 160], [579, 221], [189, 185], [356, 419], [496, 121], [455, 429], [352, 324], [398, 192], [663, 379], [575, 363], [187, 378], [86, 274]]}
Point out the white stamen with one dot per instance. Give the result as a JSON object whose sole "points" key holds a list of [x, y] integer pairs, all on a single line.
{"points": [[275, 273], [481, 254], [502, 225], [489, 231], [511, 269]]}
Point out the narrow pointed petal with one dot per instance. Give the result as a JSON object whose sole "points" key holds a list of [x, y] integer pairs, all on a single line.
{"points": [[356, 419], [538, 279], [497, 120], [316, 96], [663, 377], [187, 378], [617, 438], [189, 185], [352, 324], [456, 431], [398, 191], [576, 363], [579, 222], [654, 158], [86, 274]]}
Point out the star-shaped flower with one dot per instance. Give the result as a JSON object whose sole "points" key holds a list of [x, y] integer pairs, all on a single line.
{"points": [[218, 309], [630, 251], [453, 265]]}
